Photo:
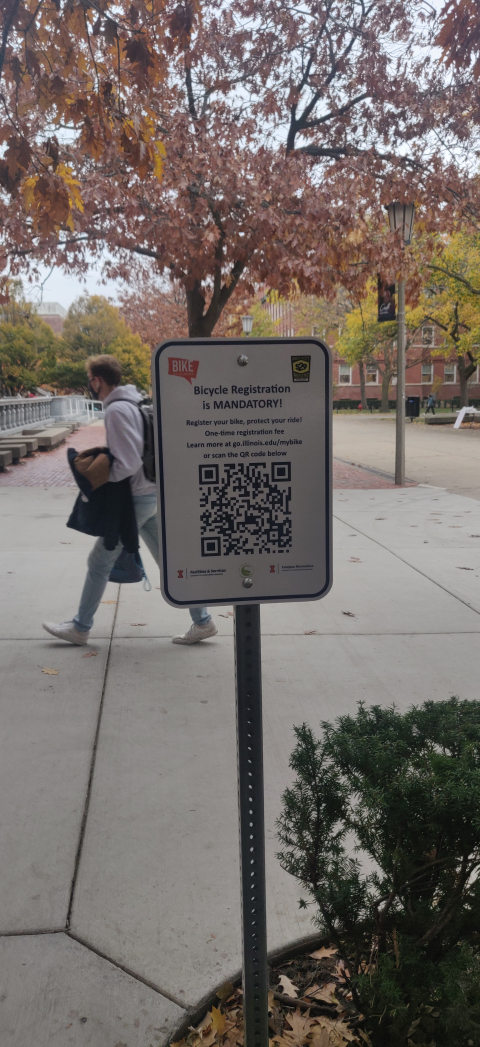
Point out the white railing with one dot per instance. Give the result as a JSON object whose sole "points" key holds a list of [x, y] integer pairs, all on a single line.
{"points": [[17, 414]]}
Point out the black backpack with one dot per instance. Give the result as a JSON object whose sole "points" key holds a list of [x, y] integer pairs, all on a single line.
{"points": [[148, 457]]}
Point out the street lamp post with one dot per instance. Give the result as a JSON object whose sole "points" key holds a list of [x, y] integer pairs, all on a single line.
{"points": [[247, 324], [401, 216]]}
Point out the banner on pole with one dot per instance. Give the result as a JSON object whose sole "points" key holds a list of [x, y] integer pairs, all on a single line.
{"points": [[386, 301], [243, 469]]}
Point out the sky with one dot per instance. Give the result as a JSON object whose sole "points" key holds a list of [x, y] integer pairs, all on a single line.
{"points": [[63, 288]]}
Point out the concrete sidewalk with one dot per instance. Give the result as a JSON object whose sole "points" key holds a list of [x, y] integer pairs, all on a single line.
{"points": [[119, 883]]}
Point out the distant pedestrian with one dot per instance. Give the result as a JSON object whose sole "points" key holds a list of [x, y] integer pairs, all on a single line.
{"points": [[432, 399], [125, 439]]}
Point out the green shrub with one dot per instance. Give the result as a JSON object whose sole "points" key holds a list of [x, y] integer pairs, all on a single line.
{"points": [[382, 827]]}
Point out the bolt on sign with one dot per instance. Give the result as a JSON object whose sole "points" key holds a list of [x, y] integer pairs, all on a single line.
{"points": [[244, 469]]}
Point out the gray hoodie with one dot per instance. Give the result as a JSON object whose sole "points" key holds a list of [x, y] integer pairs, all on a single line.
{"points": [[124, 425]]}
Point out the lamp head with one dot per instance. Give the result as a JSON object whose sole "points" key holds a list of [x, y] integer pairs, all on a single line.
{"points": [[247, 324], [401, 216]]}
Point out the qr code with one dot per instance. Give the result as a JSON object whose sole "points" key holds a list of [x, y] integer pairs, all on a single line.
{"points": [[245, 508]]}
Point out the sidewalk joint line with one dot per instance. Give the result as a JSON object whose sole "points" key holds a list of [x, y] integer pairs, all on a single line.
{"points": [[39, 930], [93, 761], [417, 569], [126, 970]]}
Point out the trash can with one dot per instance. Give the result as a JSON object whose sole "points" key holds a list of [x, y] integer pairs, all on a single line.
{"points": [[412, 407]]}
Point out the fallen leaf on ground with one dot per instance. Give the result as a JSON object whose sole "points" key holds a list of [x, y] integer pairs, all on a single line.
{"points": [[342, 971], [355, 559], [225, 991], [310, 632], [90, 654], [474, 536], [338, 1032], [218, 1021], [380, 517], [204, 1025], [321, 1037], [108, 601], [321, 992], [49, 672], [320, 954], [138, 623], [65, 543], [300, 1024], [223, 616], [349, 614], [287, 986], [465, 568]]}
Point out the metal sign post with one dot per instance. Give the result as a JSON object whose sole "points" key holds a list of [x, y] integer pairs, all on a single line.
{"points": [[244, 486], [248, 673]]}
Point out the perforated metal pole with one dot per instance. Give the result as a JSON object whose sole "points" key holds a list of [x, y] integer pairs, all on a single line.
{"points": [[400, 415], [248, 673]]}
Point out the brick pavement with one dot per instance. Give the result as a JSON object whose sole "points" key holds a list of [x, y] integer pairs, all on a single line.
{"points": [[50, 468], [346, 474]]}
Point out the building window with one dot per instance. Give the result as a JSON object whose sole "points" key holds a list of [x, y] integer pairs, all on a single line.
{"points": [[345, 374], [427, 336], [371, 376], [427, 374], [449, 374]]}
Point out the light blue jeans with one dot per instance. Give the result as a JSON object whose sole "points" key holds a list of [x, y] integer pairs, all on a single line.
{"points": [[101, 561]]}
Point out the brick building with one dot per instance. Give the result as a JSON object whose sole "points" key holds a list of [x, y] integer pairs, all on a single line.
{"points": [[53, 314], [422, 367]]}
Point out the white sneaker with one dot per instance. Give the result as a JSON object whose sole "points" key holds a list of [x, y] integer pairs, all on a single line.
{"points": [[196, 633], [67, 631]]}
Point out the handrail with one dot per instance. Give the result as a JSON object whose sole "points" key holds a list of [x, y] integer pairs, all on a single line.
{"points": [[18, 413]]}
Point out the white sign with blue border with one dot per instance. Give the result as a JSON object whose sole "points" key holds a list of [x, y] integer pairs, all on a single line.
{"points": [[243, 434]]}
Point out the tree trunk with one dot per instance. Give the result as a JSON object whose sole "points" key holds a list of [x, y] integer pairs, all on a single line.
{"points": [[463, 387], [386, 379], [361, 371], [201, 322], [465, 372], [195, 312]]}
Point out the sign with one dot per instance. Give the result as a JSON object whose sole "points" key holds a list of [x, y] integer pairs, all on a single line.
{"points": [[243, 469], [386, 301]]}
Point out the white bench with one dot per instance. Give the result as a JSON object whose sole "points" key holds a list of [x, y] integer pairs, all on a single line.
{"points": [[461, 415]]}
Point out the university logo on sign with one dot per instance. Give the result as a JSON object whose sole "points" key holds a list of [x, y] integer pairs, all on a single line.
{"points": [[301, 368], [183, 368]]}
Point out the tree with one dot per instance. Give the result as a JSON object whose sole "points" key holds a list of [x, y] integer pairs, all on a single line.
{"points": [[24, 346], [285, 129], [381, 828], [93, 326], [459, 34], [452, 301], [364, 341], [155, 311], [87, 69]]}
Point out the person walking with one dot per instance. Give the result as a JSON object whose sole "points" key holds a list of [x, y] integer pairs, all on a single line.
{"points": [[125, 437], [432, 399]]}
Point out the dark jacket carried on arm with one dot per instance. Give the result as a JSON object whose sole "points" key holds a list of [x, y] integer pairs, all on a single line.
{"points": [[106, 510]]}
